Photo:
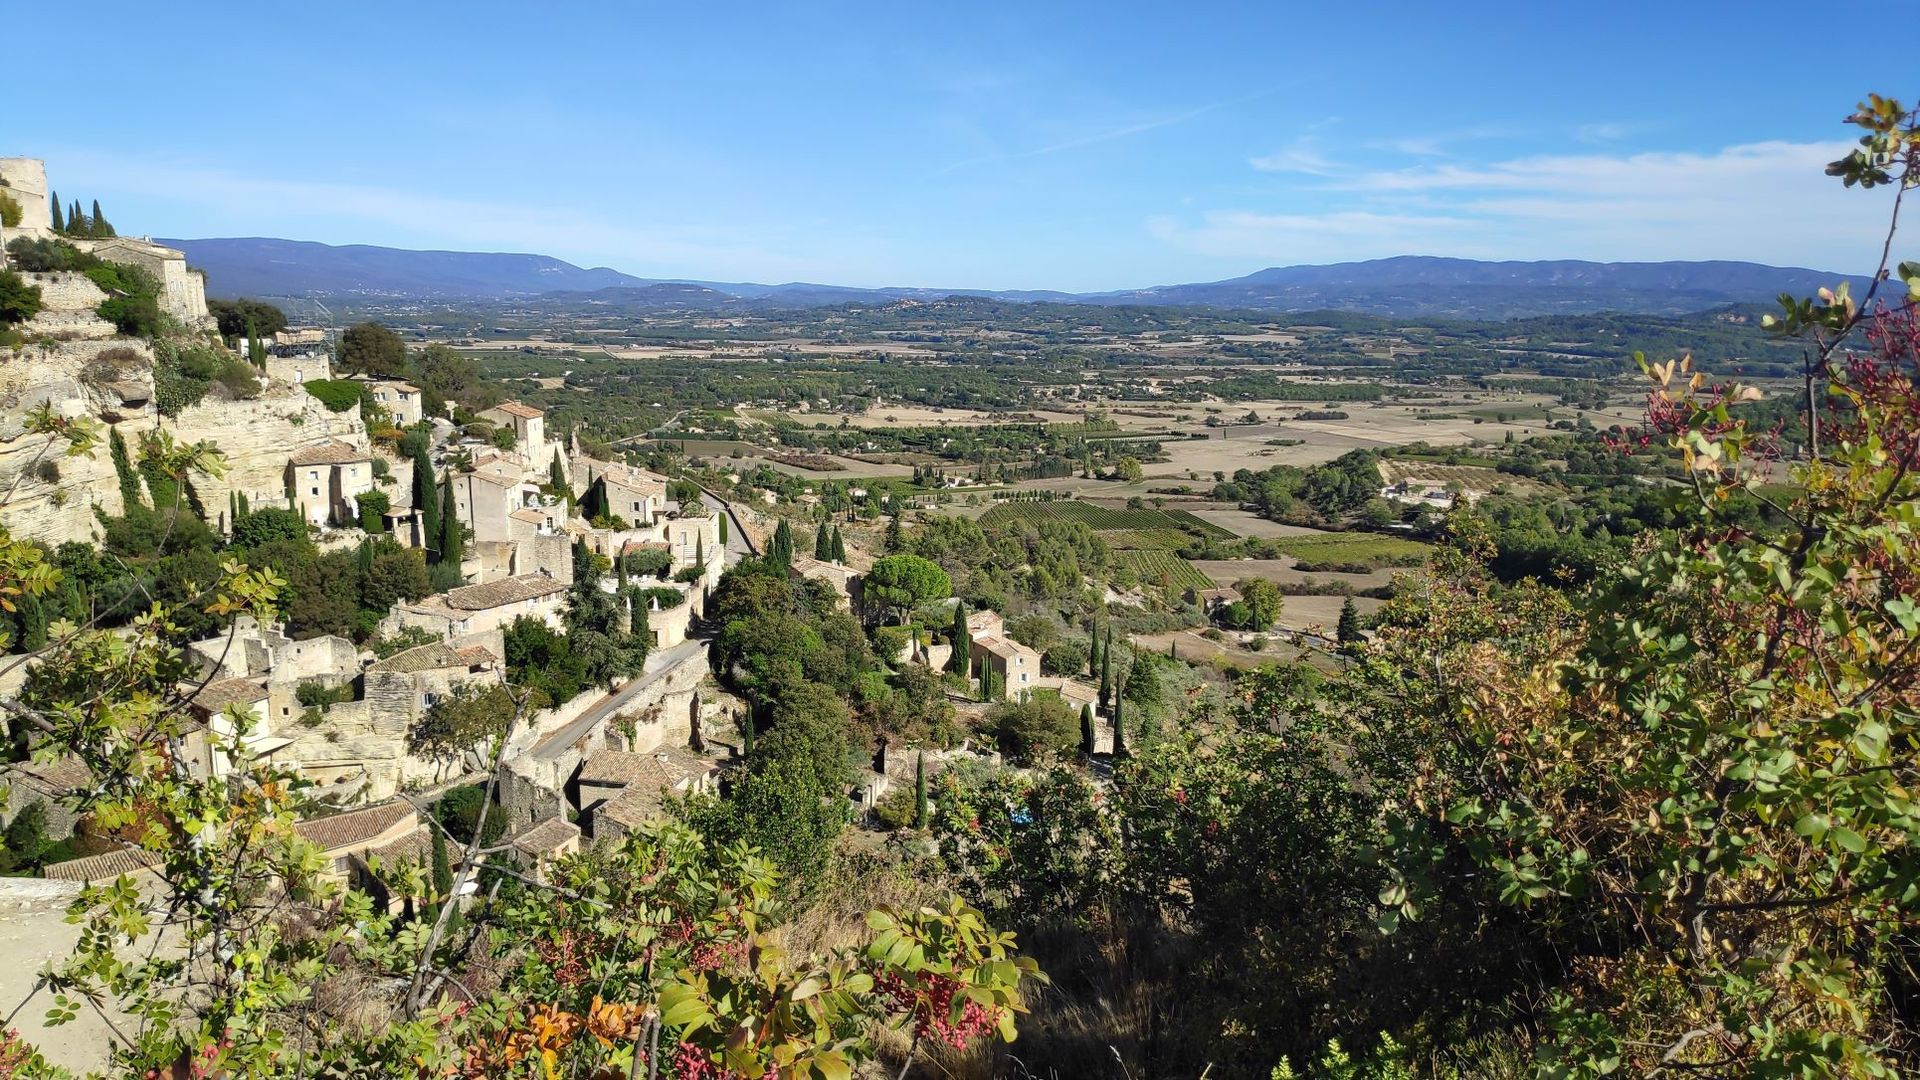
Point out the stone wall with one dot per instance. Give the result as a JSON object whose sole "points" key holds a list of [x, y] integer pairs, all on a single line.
{"points": [[67, 302], [26, 183]]}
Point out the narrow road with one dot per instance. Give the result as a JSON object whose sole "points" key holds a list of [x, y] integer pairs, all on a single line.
{"points": [[739, 544], [658, 663]]}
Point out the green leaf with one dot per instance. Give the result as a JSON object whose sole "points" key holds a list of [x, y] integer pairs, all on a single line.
{"points": [[1848, 839]]}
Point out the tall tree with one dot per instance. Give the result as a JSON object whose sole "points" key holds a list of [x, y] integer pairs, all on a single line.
{"points": [[839, 546], [961, 640], [123, 470], [1086, 731], [1106, 673], [59, 215], [1349, 628], [557, 476], [452, 546], [1119, 728], [920, 791], [426, 501], [369, 348], [780, 549], [98, 226], [894, 538], [822, 544]]}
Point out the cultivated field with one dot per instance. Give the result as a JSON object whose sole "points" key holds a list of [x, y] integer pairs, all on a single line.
{"points": [[1163, 568], [1103, 518]]}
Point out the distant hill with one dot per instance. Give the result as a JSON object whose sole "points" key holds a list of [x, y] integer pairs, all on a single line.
{"points": [[1405, 286]]}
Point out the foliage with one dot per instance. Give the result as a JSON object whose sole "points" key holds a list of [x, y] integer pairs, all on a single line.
{"points": [[469, 717], [338, 395], [19, 301], [368, 348], [245, 318], [1041, 728], [900, 583], [133, 298]]}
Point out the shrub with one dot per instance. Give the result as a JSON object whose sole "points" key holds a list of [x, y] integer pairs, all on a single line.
{"points": [[318, 696], [10, 212], [338, 395], [133, 298], [373, 507], [241, 379], [48, 256], [19, 301]]}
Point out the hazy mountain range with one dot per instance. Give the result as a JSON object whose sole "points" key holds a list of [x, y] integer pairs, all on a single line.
{"points": [[1408, 285]]}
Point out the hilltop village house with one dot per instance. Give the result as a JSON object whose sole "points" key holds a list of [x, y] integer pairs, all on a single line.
{"points": [[326, 482], [528, 425]]}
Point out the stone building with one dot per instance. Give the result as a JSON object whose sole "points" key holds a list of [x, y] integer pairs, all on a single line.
{"points": [[52, 784], [477, 609], [637, 495], [487, 498], [210, 706], [327, 480], [536, 849], [844, 580], [528, 425], [402, 400], [266, 653], [618, 791], [1016, 668], [183, 290], [347, 838], [24, 180]]}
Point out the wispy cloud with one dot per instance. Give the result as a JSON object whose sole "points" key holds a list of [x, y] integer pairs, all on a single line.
{"points": [[1767, 202], [1108, 135], [1303, 155]]}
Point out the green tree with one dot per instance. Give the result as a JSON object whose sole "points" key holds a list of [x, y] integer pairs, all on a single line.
{"points": [[59, 215], [130, 493], [1087, 736], [780, 548], [962, 642], [1264, 602], [369, 348], [1119, 727], [1348, 631], [19, 301], [894, 541], [1106, 672], [822, 544], [920, 790], [426, 500], [557, 477], [451, 550], [442, 867], [900, 583], [839, 546]]}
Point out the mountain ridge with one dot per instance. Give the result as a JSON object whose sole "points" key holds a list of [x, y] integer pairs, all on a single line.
{"points": [[1403, 285]]}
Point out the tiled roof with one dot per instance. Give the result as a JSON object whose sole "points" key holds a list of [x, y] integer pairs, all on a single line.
{"points": [[528, 513], [109, 864], [514, 408], [548, 836], [429, 657], [62, 775], [331, 452], [1003, 646], [626, 767], [511, 590], [475, 655], [216, 696], [633, 807], [355, 826], [415, 847]]}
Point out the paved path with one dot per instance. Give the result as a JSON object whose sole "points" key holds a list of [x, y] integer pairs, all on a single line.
{"points": [[658, 664], [739, 544]]}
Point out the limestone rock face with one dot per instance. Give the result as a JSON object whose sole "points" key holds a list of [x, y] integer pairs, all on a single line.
{"points": [[112, 381]]}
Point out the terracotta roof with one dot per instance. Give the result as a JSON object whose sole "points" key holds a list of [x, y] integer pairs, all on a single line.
{"points": [[514, 408], [62, 775], [353, 827], [331, 452], [1003, 646], [511, 590], [528, 513], [633, 807], [403, 387], [432, 657], [494, 478], [625, 767], [216, 696], [548, 836], [415, 847], [109, 864]]}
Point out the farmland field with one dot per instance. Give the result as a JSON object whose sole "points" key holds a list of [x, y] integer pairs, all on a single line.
{"points": [[1103, 518], [1363, 549], [1148, 539], [1159, 566]]}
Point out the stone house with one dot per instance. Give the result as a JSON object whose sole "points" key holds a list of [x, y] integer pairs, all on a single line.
{"points": [[183, 291], [1211, 601], [528, 425], [486, 498], [346, 839], [536, 849], [210, 706], [107, 866], [401, 399], [636, 495], [478, 609], [257, 652], [1016, 668], [844, 580], [49, 783], [986, 623], [617, 791], [326, 481]]}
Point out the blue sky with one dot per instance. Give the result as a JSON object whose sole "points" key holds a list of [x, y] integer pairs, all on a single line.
{"points": [[1072, 145]]}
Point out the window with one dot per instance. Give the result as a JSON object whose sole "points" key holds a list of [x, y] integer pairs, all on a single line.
{"points": [[430, 699], [316, 491]]}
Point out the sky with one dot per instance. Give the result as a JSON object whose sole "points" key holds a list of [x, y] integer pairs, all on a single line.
{"points": [[1073, 146]]}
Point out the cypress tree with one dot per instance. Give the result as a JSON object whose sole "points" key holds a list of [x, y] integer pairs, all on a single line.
{"points": [[1086, 730], [256, 349], [920, 791], [557, 476], [1119, 730], [839, 546], [33, 623], [442, 867], [822, 544], [1173, 650], [700, 551], [97, 225], [123, 469], [894, 538], [780, 550], [59, 215], [450, 538], [1106, 674], [746, 734], [244, 508], [425, 501], [723, 530], [642, 630], [962, 641]]}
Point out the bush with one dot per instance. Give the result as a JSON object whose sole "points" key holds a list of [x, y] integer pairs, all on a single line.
{"points": [[48, 256], [338, 395], [10, 212], [240, 378], [19, 301], [133, 298], [460, 811], [318, 696], [1039, 729], [373, 507]]}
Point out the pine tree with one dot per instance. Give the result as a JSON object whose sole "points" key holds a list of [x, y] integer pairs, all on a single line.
{"points": [[1086, 730], [425, 502], [839, 546], [59, 215], [920, 791], [123, 469], [1119, 729], [822, 544], [962, 641], [1349, 628], [442, 867]]}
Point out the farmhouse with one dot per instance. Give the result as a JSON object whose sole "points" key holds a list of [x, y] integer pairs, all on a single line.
{"points": [[326, 481]]}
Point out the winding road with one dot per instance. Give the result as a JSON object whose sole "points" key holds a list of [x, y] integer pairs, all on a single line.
{"points": [[658, 664]]}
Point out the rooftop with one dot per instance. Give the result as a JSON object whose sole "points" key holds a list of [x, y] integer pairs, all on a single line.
{"points": [[62, 775], [354, 827], [216, 696], [432, 657], [514, 408], [511, 590], [108, 864], [549, 836], [331, 452]]}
